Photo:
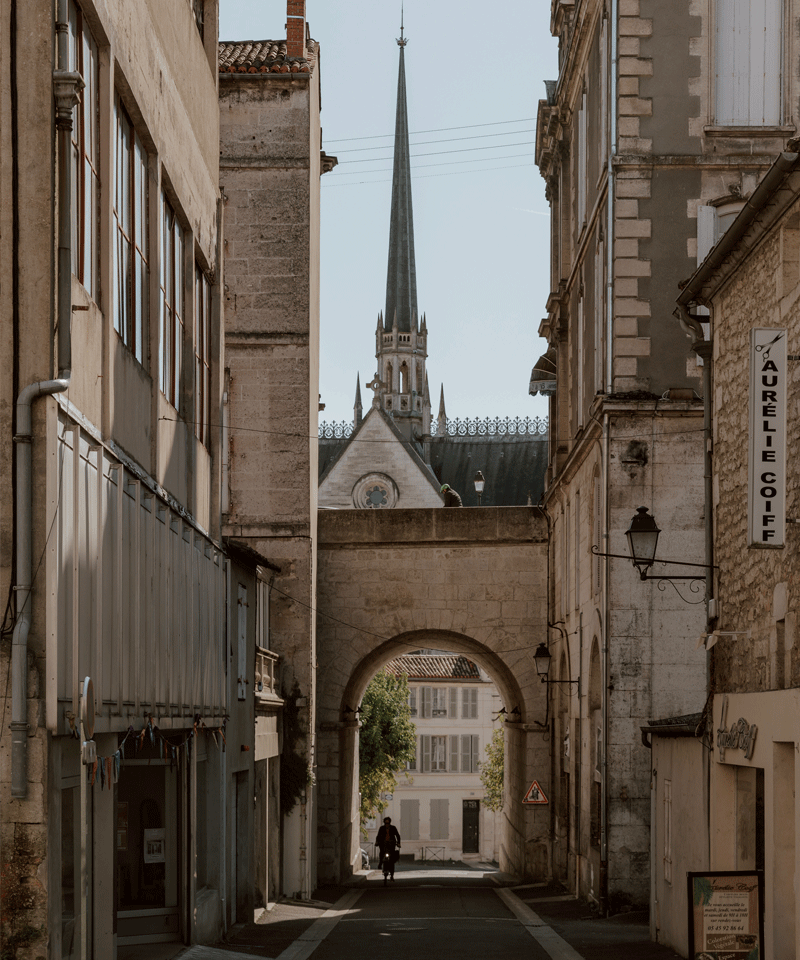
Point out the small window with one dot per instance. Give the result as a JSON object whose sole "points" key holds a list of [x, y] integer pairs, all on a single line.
{"points": [[439, 702]]}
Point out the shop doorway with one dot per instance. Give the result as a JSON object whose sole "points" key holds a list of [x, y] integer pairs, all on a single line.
{"points": [[149, 826], [470, 826]]}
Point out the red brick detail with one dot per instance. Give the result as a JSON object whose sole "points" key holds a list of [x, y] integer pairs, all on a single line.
{"points": [[296, 38], [296, 8]]}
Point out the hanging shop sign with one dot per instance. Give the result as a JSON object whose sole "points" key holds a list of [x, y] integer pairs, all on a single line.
{"points": [[726, 915], [767, 480]]}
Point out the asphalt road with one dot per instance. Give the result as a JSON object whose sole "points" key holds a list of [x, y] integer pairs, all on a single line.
{"points": [[429, 918]]}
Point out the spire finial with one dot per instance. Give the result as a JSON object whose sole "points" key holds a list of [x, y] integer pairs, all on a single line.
{"points": [[402, 41]]}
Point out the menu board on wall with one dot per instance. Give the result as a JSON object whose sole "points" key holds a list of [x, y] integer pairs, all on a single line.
{"points": [[726, 915]]}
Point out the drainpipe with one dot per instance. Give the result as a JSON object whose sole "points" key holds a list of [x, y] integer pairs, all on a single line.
{"points": [[66, 87], [604, 653]]}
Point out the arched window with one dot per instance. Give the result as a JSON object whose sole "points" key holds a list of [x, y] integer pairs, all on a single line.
{"points": [[404, 377]]}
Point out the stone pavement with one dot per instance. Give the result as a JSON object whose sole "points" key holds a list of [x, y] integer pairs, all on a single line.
{"points": [[556, 925]]}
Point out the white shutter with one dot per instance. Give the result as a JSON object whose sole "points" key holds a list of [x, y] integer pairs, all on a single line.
{"points": [[454, 755], [427, 701], [748, 62], [706, 230], [475, 754], [452, 710], [426, 754], [409, 819], [466, 755]]}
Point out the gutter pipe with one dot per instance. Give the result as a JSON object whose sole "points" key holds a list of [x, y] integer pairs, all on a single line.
{"points": [[66, 88]]}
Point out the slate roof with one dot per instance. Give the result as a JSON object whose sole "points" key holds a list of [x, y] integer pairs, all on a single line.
{"points": [[513, 466], [430, 666], [263, 56]]}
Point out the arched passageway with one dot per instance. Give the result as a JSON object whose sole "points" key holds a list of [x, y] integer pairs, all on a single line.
{"points": [[468, 581]]}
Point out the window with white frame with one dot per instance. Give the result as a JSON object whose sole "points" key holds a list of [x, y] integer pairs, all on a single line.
{"points": [[202, 356], [469, 703], [434, 754], [131, 262], [262, 614], [748, 62], [172, 304], [83, 58], [439, 702], [412, 701], [712, 221]]}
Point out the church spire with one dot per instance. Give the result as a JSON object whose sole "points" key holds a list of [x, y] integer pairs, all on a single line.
{"points": [[401, 281]]}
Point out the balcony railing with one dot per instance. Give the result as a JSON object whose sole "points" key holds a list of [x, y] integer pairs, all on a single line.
{"points": [[266, 669]]}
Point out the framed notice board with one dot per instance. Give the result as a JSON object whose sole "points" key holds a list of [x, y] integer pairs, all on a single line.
{"points": [[726, 915]]}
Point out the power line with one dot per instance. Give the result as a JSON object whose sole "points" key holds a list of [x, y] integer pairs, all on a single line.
{"points": [[441, 153], [416, 133], [425, 176], [425, 143], [424, 166]]}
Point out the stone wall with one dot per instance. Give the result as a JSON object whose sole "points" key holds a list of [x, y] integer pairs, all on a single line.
{"points": [[470, 581]]}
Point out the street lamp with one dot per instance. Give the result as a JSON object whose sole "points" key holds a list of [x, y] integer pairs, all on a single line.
{"points": [[542, 660], [642, 537], [480, 482]]}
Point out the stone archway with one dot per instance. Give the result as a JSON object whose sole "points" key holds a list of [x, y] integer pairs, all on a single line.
{"points": [[472, 581]]}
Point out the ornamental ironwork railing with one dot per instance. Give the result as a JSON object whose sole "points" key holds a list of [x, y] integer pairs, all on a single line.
{"points": [[488, 427]]}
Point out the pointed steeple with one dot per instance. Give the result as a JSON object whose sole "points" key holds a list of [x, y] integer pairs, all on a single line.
{"points": [[441, 420], [358, 410], [401, 280]]}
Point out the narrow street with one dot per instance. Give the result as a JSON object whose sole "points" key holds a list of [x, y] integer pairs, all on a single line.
{"points": [[428, 913]]}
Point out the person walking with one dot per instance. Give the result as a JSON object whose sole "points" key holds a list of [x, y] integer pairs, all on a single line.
{"points": [[451, 498], [388, 843]]}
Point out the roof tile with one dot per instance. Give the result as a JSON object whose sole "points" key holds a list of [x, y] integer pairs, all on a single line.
{"points": [[432, 666], [263, 56]]}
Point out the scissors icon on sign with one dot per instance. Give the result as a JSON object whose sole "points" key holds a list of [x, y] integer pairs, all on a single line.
{"points": [[765, 347]]}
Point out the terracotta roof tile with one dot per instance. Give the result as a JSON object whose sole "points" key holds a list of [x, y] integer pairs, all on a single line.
{"points": [[432, 666], [263, 56]]}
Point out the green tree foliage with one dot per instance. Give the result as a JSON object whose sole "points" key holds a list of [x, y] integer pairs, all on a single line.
{"points": [[387, 740], [492, 769]]}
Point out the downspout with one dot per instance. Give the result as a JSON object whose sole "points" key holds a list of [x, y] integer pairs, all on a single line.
{"points": [[604, 654], [66, 88]]}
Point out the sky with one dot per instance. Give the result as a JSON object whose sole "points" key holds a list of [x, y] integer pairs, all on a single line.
{"points": [[474, 74]]}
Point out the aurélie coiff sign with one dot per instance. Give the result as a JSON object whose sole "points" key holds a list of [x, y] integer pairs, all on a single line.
{"points": [[767, 480]]}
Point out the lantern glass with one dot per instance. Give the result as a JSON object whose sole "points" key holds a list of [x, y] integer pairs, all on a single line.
{"points": [[542, 660], [479, 482], [642, 537]]}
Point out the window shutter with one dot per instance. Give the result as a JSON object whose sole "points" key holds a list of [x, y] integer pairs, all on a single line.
{"points": [[475, 754], [412, 701], [454, 754], [706, 229], [426, 754], [409, 819], [466, 757], [427, 701], [440, 827], [452, 710], [748, 61]]}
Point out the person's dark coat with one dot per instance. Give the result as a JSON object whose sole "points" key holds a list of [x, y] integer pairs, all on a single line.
{"points": [[451, 498], [388, 838]]}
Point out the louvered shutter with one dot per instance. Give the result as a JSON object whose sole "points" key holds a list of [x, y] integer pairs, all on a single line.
{"points": [[454, 755], [452, 709]]}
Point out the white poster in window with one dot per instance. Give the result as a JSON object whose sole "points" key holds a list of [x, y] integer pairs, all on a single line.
{"points": [[767, 479], [154, 845]]}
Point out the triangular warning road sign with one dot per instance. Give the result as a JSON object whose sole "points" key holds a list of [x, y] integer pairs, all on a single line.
{"points": [[535, 794]]}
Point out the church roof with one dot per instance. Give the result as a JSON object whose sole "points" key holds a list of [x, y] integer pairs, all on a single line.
{"points": [[401, 279], [430, 666], [263, 56]]}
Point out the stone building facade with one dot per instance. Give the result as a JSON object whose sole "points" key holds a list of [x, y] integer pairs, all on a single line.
{"points": [[270, 167], [659, 126], [109, 483], [750, 286]]}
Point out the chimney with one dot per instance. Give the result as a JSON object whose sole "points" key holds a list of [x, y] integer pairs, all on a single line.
{"points": [[296, 28]]}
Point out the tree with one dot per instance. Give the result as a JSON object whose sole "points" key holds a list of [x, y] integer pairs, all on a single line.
{"points": [[387, 740], [492, 770]]}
